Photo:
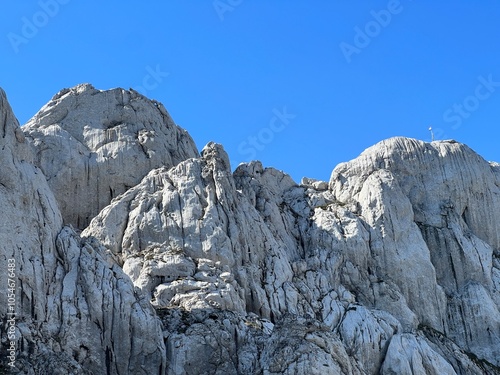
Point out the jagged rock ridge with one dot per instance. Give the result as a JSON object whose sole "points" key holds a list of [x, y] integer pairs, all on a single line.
{"points": [[391, 267]]}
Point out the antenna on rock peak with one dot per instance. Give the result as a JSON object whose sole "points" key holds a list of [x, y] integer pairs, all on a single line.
{"points": [[432, 133]]}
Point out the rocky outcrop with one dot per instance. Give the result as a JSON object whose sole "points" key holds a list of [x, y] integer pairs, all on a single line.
{"points": [[76, 310], [94, 145], [187, 237], [351, 264], [449, 198], [29, 226], [391, 267]]}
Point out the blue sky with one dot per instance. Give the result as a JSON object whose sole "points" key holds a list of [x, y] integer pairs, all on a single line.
{"points": [[299, 85]]}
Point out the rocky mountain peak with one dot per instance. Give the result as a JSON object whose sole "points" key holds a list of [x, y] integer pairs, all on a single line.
{"points": [[183, 267], [104, 142], [434, 176]]}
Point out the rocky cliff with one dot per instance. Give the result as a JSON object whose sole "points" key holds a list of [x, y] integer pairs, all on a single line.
{"points": [[135, 254], [102, 143]]}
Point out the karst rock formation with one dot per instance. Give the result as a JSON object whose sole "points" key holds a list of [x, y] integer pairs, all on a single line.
{"points": [[137, 254]]}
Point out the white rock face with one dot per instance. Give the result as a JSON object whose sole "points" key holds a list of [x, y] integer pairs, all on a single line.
{"points": [[189, 239], [77, 312], [391, 267], [434, 213], [408, 354], [30, 220], [95, 145], [325, 257]]}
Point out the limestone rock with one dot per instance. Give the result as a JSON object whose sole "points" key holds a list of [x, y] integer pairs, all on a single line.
{"points": [[189, 239], [319, 254], [392, 267], [432, 210], [29, 224], [93, 145], [408, 354], [434, 176], [76, 310]]}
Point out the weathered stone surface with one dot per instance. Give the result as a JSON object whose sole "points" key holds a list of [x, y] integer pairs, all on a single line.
{"points": [[189, 239], [434, 176], [391, 267], [329, 255], [29, 224], [93, 145], [408, 354], [433, 209], [77, 312]]}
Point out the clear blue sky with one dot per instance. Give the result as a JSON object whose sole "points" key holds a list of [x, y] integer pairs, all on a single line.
{"points": [[299, 85]]}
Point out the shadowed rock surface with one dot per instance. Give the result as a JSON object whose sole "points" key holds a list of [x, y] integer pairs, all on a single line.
{"points": [[391, 267]]}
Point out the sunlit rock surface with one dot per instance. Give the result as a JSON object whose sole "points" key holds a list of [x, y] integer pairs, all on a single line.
{"points": [[391, 267], [95, 145], [77, 311]]}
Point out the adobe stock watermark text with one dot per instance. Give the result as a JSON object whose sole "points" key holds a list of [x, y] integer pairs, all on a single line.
{"points": [[30, 26], [255, 143], [363, 36], [11, 312]]}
